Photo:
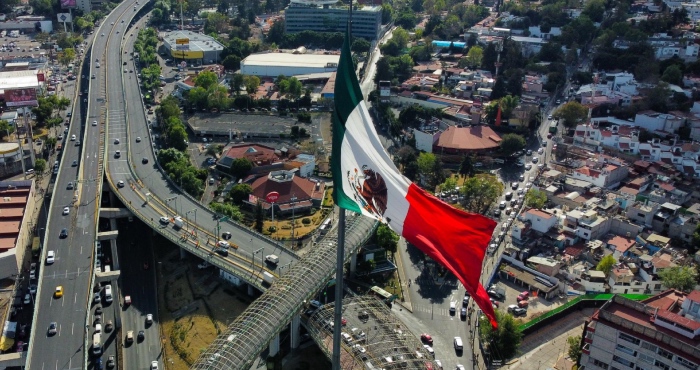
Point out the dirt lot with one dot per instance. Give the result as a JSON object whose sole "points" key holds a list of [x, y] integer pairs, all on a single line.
{"points": [[194, 307]]}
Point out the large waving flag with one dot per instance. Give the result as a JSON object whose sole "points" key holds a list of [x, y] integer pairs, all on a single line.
{"points": [[367, 181]]}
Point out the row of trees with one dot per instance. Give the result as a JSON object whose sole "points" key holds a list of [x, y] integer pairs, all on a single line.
{"points": [[47, 112], [175, 160]]}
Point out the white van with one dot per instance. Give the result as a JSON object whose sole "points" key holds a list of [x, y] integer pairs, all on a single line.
{"points": [[108, 294], [458, 344], [97, 344]]}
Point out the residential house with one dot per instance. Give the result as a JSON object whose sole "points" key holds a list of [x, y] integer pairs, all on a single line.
{"points": [[547, 266], [620, 246], [586, 224], [601, 174], [540, 221], [642, 212]]}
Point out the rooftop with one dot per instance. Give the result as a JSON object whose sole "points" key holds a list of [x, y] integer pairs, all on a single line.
{"points": [[291, 60], [197, 41], [469, 138]]}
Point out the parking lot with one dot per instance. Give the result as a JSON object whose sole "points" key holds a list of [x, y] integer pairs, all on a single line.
{"points": [[535, 305]]}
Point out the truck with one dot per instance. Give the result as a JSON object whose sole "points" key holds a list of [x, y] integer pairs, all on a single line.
{"points": [[272, 258], [97, 344], [268, 277], [177, 221]]}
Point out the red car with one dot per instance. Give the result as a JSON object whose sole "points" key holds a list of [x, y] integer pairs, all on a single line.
{"points": [[343, 321], [426, 338], [494, 302]]}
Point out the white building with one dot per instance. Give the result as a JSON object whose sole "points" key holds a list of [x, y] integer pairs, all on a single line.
{"points": [[425, 139], [540, 221], [654, 121], [535, 31], [529, 45], [307, 164], [287, 64]]}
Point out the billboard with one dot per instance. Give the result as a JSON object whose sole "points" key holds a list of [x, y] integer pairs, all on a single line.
{"points": [[66, 4], [64, 17], [182, 41], [21, 98]]}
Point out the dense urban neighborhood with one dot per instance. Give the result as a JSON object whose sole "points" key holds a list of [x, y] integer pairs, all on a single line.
{"points": [[174, 192]]}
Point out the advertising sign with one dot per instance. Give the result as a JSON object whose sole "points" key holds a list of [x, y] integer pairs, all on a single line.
{"points": [[272, 196], [21, 98], [64, 17], [182, 41], [182, 47], [65, 4]]}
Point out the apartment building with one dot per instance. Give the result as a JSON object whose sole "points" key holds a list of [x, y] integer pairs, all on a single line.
{"points": [[661, 332], [301, 15]]}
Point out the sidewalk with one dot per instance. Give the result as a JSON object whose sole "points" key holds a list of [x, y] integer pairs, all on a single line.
{"points": [[403, 281]]}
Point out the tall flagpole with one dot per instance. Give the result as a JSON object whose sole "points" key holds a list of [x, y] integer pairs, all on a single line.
{"points": [[339, 259]]}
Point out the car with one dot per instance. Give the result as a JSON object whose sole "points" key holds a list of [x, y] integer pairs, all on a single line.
{"points": [[127, 300], [223, 244], [453, 308], [426, 338], [521, 178], [149, 319], [540, 150], [459, 367], [138, 139], [549, 136], [109, 326], [226, 235], [103, 35], [502, 205], [140, 336], [528, 152], [63, 234], [120, 184], [497, 213], [514, 185], [463, 312], [222, 252], [549, 117], [97, 298], [116, 141], [66, 210], [520, 163], [528, 185], [144, 160], [164, 220], [72, 137], [58, 293], [70, 186], [429, 349], [94, 123], [93, 77], [60, 137], [495, 303], [535, 159], [524, 296], [554, 147], [110, 360], [521, 191], [523, 304], [129, 336], [77, 143], [53, 328], [32, 289], [558, 101], [540, 166], [359, 349], [98, 310], [74, 164], [509, 195], [50, 257], [117, 154], [27, 298]]}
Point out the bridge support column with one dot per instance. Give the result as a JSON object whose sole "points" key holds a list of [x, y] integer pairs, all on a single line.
{"points": [[274, 345], [251, 290], [353, 264], [183, 253], [294, 329]]}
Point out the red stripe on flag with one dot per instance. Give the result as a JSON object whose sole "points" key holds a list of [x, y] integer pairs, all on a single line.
{"points": [[453, 238]]}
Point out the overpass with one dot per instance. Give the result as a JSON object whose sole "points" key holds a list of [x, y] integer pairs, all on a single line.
{"points": [[114, 100]]}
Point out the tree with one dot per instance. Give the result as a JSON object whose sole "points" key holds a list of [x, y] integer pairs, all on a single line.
{"points": [[259, 217], [572, 113], [231, 62], [66, 57], [39, 166], [215, 23], [682, 278], [387, 239], [237, 81], [504, 341], [251, 83], [240, 167], [507, 104], [480, 192], [466, 168], [535, 198], [574, 349], [673, 75], [606, 264], [6, 129], [227, 209], [239, 193], [475, 56], [276, 33], [206, 79], [511, 143]]}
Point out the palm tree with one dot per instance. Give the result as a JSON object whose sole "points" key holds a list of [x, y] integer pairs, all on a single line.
{"points": [[507, 104]]}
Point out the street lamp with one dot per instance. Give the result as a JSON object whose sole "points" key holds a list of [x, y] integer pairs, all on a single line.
{"points": [[173, 199], [261, 255]]}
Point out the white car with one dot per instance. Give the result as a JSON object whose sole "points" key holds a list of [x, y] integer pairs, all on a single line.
{"points": [[149, 318], [72, 138], [164, 220], [116, 141], [50, 257], [120, 184], [94, 123], [540, 150], [66, 211], [138, 139], [528, 167], [154, 365], [429, 349], [223, 244]]}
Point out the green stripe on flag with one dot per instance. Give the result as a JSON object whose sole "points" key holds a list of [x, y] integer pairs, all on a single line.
{"points": [[347, 96]]}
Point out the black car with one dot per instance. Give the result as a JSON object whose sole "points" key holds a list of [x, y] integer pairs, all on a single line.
{"points": [[98, 310], [63, 234], [226, 235], [497, 213], [140, 336], [144, 160], [222, 251]]}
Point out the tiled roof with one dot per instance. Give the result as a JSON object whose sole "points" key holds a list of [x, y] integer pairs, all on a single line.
{"points": [[621, 244], [469, 138], [303, 189], [694, 296]]}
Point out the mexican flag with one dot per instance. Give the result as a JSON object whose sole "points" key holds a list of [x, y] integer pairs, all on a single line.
{"points": [[367, 181]]}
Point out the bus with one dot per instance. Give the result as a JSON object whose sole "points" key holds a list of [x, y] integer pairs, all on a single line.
{"points": [[553, 127], [382, 294]]}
